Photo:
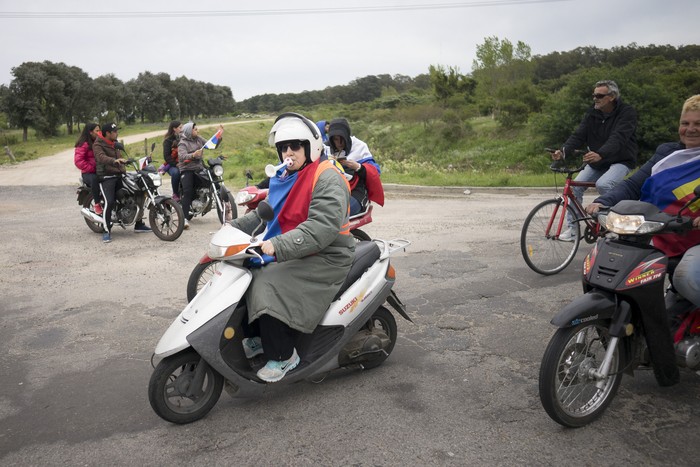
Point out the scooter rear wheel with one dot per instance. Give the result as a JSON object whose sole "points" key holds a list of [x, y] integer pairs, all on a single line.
{"points": [[382, 320], [569, 393], [174, 393], [89, 203]]}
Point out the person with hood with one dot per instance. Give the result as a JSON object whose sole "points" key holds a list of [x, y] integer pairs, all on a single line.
{"points": [[309, 236], [84, 160], [323, 126], [353, 154], [110, 166], [608, 133], [190, 150]]}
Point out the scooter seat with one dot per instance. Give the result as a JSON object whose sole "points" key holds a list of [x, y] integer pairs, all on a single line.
{"points": [[366, 253]]}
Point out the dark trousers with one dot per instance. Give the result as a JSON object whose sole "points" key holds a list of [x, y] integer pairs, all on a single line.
{"points": [[109, 187], [188, 181], [94, 184], [277, 338]]}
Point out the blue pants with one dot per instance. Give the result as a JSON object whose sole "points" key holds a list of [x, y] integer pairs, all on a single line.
{"points": [[605, 180], [175, 179], [686, 278]]}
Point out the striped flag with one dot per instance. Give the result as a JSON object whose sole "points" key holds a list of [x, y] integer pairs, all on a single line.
{"points": [[214, 140]]}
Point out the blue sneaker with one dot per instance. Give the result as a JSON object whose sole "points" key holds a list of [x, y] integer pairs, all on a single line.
{"points": [[274, 371], [141, 228], [252, 346], [106, 237]]}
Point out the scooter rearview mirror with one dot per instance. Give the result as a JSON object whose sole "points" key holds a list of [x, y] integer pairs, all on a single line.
{"points": [[265, 211]]}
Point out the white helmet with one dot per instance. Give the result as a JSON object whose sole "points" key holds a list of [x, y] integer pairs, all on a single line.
{"points": [[291, 126]]}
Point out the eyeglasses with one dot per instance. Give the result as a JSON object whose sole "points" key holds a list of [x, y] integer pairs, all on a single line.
{"points": [[293, 145], [600, 96]]}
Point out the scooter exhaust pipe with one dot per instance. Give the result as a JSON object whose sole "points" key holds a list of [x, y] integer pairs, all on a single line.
{"points": [[91, 216]]}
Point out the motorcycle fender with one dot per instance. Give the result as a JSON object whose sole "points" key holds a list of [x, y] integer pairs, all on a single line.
{"points": [[224, 290], [159, 199], [590, 306]]}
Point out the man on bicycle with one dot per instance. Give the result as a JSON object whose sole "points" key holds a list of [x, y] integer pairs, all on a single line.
{"points": [[608, 133]]}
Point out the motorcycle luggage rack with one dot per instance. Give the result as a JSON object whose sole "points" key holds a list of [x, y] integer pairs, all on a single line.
{"points": [[391, 246]]}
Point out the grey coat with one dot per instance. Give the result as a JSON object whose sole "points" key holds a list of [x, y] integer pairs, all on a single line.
{"points": [[185, 149], [312, 260]]}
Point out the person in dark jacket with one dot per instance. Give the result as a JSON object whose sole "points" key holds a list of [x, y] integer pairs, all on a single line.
{"points": [[684, 157], [84, 159], [110, 165], [172, 137], [607, 131]]}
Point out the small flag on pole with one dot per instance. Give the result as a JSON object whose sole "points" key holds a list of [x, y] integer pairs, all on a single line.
{"points": [[214, 140]]}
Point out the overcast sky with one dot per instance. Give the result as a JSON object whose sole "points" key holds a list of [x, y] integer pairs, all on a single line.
{"points": [[290, 46]]}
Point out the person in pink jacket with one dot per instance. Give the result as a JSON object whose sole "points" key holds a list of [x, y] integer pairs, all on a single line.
{"points": [[84, 160]]}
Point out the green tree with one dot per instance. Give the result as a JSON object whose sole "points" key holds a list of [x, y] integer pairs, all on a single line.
{"points": [[448, 82], [500, 65]]}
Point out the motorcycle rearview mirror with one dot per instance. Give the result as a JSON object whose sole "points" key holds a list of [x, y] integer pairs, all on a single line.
{"points": [[265, 213]]}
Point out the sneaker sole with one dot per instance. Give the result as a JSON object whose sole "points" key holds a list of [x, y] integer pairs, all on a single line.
{"points": [[289, 368]]}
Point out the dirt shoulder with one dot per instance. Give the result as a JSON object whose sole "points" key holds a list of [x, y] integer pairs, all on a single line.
{"points": [[59, 170]]}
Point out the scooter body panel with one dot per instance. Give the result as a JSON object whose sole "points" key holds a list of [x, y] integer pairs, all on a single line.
{"points": [[224, 290]]}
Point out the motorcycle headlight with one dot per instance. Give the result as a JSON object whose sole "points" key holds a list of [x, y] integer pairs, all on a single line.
{"points": [[218, 170], [243, 197], [629, 224], [156, 179]]}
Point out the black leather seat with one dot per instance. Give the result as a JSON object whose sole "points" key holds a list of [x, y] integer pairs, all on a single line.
{"points": [[366, 253]]}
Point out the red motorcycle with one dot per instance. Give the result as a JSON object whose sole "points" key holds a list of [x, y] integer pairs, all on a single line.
{"points": [[249, 197]]}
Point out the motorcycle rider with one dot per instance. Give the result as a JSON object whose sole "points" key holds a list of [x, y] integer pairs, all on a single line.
{"points": [[110, 168], [170, 143], [667, 180], [353, 154], [84, 160], [310, 238]]}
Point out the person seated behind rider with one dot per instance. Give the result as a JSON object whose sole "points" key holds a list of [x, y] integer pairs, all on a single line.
{"points": [[170, 143], [353, 154], [109, 167], [84, 159], [608, 132], [309, 235], [667, 180]]}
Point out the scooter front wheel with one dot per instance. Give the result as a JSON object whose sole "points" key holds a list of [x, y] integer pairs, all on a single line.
{"points": [[200, 275], [184, 388], [570, 394]]}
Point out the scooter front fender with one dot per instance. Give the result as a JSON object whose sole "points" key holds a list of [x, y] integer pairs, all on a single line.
{"points": [[224, 290], [590, 306]]}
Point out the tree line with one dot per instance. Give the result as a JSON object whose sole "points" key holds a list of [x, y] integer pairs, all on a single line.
{"points": [[46, 95]]}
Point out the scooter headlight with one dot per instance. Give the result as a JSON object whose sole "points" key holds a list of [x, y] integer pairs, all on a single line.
{"points": [[221, 252], [627, 224], [218, 170], [243, 197], [156, 179]]}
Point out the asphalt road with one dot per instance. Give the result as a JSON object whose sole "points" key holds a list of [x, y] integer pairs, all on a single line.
{"points": [[79, 321]]}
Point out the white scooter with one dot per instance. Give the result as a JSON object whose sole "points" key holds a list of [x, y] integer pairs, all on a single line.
{"points": [[203, 348]]}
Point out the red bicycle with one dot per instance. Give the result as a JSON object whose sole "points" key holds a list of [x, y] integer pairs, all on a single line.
{"points": [[540, 245]]}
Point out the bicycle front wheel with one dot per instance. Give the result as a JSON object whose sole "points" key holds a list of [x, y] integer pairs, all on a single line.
{"points": [[540, 246]]}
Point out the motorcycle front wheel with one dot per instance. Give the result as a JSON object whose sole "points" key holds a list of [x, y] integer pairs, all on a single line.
{"points": [[184, 388], [167, 220], [200, 275], [231, 207], [569, 392]]}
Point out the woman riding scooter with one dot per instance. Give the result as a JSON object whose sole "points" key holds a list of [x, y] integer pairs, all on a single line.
{"points": [[310, 238]]}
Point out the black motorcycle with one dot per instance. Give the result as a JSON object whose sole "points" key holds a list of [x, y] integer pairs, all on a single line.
{"points": [[211, 192], [621, 323], [138, 192]]}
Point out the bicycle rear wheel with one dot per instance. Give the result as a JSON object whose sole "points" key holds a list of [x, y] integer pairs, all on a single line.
{"points": [[540, 246]]}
